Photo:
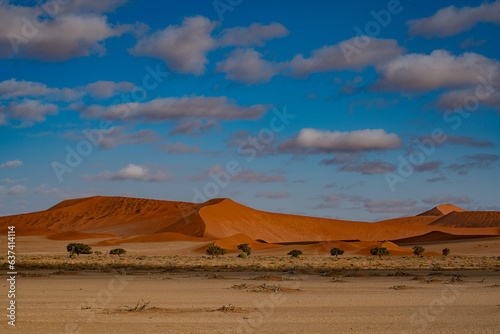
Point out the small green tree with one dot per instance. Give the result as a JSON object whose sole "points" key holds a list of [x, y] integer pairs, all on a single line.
{"points": [[336, 252], [446, 251], [117, 251], [418, 250], [245, 248], [214, 250], [295, 253], [243, 255], [76, 248], [379, 251]]}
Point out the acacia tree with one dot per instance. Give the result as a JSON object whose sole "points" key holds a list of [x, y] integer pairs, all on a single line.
{"points": [[245, 248], [418, 250], [336, 252], [77, 248], [117, 251], [379, 251], [295, 253], [446, 251], [214, 250]]}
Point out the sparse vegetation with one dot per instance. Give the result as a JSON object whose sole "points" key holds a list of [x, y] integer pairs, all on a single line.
{"points": [[379, 251], [117, 251], [418, 250], [245, 248], [336, 252], [215, 251], [77, 249], [446, 251], [295, 253]]}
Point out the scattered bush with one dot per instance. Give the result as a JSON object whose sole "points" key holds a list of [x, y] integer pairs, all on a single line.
{"points": [[418, 250], [117, 251], [446, 251], [243, 255], [245, 248], [214, 250], [379, 251], [98, 253], [336, 252], [295, 253], [75, 248]]}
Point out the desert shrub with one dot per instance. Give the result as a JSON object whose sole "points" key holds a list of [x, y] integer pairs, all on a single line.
{"points": [[214, 250], [243, 255], [76, 248], [295, 253], [336, 252], [446, 251], [245, 248], [98, 253], [117, 251], [379, 251], [418, 250]]}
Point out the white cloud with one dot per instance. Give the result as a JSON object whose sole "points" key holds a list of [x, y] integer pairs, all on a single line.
{"points": [[444, 199], [247, 65], [11, 164], [14, 181], [77, 30], [317, 141], [30, 110], [45, 190], [267, 194], [183, 48], [12, 88], [451, 20], [16, 190], [468, 97], [255, 34], [420, 72], [175, 148], [194, 127], [172, 108], [248, 175], [131, 172], [395, 205], [116, 136], [106, 89], [348, 54]]}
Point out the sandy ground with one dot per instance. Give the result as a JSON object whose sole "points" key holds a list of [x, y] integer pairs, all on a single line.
{"points": [[40, 245], [189, 302]]}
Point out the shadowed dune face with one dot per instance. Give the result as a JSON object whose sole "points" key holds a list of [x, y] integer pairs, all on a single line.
{"points": [[135, 220], [469, 219]]}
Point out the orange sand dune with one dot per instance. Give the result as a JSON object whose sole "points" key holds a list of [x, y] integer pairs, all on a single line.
{"points": [[227, 218], [469, 219], [155, 237], [143, 220], [73, 235], [29, 231], [118, 215], [442, 210]]}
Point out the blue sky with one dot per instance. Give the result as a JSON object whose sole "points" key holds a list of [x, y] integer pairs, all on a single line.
{"points": [[358, 110]]}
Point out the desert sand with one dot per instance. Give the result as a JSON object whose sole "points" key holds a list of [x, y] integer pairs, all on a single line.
{"points": [[289, 302]]}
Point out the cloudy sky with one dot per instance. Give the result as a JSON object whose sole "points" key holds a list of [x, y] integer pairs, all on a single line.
{"points": [[350, 110]]}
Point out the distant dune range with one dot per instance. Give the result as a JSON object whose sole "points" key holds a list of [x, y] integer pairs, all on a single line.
{"points": [[120, 220]]}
